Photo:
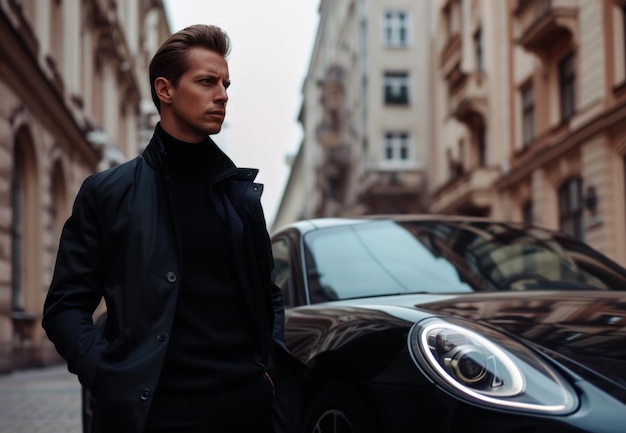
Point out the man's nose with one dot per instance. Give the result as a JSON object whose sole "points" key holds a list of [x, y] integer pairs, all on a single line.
{"points": [[222, 94]]}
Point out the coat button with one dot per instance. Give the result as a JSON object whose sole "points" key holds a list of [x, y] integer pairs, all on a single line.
{"points": [[162, 336], [145, 394], [171, 277]]}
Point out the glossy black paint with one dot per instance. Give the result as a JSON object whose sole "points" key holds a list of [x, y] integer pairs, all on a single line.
{"points": [[359, 358]]}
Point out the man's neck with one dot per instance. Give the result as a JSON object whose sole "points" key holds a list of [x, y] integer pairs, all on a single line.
{"points": [[186, 137]]}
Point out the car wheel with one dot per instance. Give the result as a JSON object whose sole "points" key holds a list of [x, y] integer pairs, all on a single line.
{"points": [[337, 409]]}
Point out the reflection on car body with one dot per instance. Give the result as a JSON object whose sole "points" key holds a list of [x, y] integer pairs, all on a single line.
{"points": [[447, 324]]}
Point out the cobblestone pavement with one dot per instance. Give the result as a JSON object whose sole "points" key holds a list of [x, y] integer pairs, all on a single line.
{"points": [[41, 400]]}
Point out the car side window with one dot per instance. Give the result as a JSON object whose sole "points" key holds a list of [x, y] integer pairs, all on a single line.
{"points": [[282, 265]]}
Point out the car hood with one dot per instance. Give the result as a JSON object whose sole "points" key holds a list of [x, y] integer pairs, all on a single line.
{"points": [[586, 330]]}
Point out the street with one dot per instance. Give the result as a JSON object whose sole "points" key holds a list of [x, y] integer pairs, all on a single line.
{"points": [[41, 400]]}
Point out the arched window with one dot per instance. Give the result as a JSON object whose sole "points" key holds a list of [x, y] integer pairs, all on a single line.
{"points": [[25, 258], [58, 205], [17, 227]]}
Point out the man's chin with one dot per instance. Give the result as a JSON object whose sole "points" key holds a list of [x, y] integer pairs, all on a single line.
{"points": [[213, 129]]}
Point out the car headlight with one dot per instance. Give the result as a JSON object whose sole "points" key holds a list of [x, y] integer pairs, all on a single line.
{"points": [[486, 367]]}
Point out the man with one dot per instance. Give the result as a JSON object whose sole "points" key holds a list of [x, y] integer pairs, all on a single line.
{"points": [[176, 243]]}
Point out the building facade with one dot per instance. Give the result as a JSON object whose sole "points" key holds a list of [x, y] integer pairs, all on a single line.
{"points": [[366, 123], [74, 99], [530, 104], [522, 117]]}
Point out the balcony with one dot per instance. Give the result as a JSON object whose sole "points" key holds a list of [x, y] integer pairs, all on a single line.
{"points": [[450, 60], [335, 162], [472, 193], [468, 100], [399, 191], [541, 24]]}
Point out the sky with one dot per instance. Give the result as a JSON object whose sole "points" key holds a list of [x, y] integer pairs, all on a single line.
{"points": [[271, 43]]}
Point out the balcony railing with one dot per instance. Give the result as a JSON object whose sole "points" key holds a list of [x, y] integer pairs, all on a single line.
{"points": [[543, 23], [471, 190], [451, 57], [469, 98], [397, 191]]}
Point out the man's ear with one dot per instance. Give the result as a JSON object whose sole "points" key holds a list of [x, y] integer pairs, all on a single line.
{"points": [[163, 89]]}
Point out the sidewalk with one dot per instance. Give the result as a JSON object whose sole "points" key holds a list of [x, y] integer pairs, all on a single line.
{"points": [[42, 400]]}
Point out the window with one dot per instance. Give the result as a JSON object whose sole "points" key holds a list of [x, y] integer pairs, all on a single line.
{"points": [[397, 146], [447, 20], [455, 164], [478, 47], [624, 31], [282, 266], [527, 213], [396, 28], [56, 36], [25, 242], [373, 259], [17, 229], [482, 146], [377, 258], [567, 86], [59, 200], [396, 88], [571, 207], [528, 114]]}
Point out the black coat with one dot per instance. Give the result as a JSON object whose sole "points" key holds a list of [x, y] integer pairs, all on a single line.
{"points": [[120, 245]]}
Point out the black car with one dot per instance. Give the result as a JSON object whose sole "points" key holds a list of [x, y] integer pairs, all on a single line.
{"points": [[453, 324]]}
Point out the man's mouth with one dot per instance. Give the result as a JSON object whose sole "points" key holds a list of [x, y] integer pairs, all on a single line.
{"points": [[217, 113]]}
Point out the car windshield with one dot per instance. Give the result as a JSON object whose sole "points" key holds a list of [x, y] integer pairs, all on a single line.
{"points": [[378, 258]]}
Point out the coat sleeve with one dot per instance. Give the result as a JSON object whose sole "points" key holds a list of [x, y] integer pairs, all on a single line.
{"points": [[279, 311], [76, 288]]}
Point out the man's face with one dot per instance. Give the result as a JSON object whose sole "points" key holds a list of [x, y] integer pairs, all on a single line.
{"points": [[198, 103]]}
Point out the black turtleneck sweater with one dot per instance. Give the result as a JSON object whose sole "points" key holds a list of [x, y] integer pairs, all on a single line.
{"points": [[209, 374]]}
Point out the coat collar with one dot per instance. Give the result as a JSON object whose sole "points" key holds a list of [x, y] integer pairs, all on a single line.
{"points": [[156, 157]]}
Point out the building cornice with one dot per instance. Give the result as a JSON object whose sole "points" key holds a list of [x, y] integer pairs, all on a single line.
{"points": [[601, 123], [30, 79]]}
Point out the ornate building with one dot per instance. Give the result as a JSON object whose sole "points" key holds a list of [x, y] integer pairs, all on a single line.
{"points": [[75, 99], [366, 123], [522, 114], [529, 114]]}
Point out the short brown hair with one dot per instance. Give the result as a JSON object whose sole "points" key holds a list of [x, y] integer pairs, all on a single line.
{"points": [[170, 60]]}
